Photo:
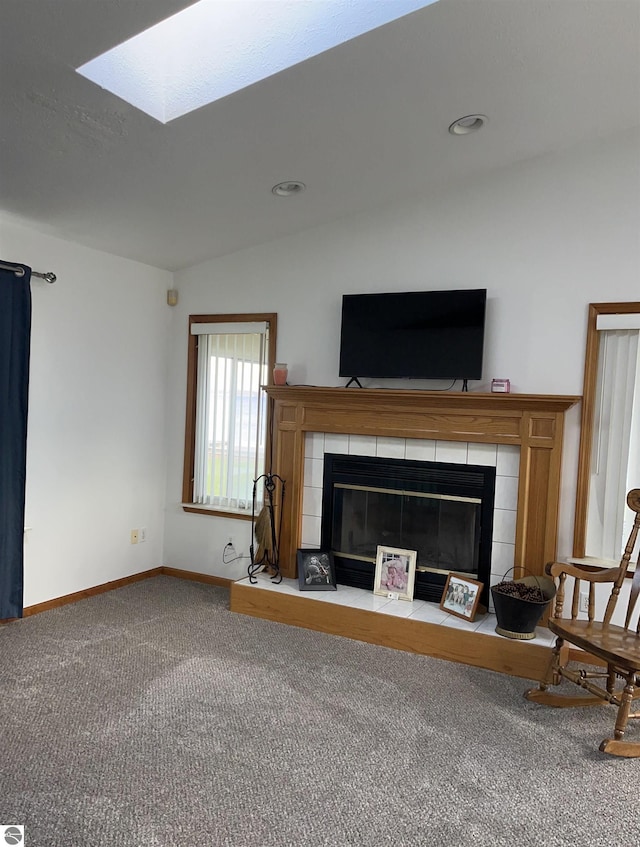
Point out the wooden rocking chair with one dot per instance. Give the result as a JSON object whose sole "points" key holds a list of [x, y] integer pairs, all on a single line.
{"points": [[617, 647]]}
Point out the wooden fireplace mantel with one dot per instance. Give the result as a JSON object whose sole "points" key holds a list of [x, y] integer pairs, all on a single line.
{"points": [[534, 422]]}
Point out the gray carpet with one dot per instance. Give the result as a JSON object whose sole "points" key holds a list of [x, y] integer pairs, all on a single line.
{"points": [[152, 715]]}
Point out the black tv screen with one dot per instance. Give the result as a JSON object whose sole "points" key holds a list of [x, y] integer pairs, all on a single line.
{"points": [[413, 335]]}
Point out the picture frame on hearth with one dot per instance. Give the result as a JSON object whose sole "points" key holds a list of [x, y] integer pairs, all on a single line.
{"points": [[316, 570], [461, 596], [395, 572]]}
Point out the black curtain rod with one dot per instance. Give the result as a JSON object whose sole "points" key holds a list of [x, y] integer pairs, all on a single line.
{"points": [[18, 271]]}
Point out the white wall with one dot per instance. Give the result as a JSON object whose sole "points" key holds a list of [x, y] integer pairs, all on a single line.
{"points": [[96, 438], [545, 238], [108, 358]]}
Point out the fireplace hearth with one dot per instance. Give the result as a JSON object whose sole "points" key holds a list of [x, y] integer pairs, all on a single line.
{"points": [[443, 511]]}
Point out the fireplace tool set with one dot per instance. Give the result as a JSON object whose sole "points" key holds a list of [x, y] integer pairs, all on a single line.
{"points": [[263, 528]]}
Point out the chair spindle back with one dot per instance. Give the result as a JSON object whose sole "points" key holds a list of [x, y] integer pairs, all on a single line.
{"points": [[613, 576]]}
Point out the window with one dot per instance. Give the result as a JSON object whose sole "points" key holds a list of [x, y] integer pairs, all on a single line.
{"points": [[610, 436], [230, 358]]}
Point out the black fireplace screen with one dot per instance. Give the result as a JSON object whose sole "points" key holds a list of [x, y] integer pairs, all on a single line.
{"points": [[442, 511]]}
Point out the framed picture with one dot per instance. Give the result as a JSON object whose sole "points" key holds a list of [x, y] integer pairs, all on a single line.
{"points": [[461, 596], [395, 572], [316, 570]]}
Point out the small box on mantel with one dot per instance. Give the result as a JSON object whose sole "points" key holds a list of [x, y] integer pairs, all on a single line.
{"points": [[500, 386]]}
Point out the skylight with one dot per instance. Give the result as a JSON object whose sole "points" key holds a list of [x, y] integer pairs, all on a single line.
{"points": [[216, 47]]}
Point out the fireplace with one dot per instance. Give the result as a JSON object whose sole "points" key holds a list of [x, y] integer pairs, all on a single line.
{"points": [[443, 511], [533, 424]]}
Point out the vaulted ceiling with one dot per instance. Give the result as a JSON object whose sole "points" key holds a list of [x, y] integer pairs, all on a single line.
{"points": [[362, 125]]}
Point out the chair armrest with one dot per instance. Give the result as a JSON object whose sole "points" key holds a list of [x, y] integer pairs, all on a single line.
{"points": [[588, 574]]}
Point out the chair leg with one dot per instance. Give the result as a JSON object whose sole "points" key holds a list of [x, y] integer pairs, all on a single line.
{"points": [[553, 676], [617, 746], [611, 679]]}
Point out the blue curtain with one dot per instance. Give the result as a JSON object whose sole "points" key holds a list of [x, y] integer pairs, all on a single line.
{"points": [[15, 335]]}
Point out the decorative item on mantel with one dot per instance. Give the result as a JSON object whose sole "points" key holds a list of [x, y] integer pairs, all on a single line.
{"points": [[267, 556], [500, 386], [280, 373], [520, 603]]}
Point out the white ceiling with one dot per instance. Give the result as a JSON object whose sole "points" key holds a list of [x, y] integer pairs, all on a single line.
{"points": [[361, 125]]}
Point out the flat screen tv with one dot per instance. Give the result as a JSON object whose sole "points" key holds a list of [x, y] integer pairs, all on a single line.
{"points": [[413, 335]]}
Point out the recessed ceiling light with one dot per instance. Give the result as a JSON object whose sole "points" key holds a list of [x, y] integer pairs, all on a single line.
{"points": [[468, 124], [289, 188]]}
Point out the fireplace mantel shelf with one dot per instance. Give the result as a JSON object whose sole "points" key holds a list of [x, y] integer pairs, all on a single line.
{"points": [[465, 401]]}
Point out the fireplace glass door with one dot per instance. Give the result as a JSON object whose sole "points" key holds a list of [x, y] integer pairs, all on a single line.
{"points": [[443, 529]]}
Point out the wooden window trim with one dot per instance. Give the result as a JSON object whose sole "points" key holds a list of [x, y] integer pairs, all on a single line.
{"points": [[588, 414], [190, 420]]}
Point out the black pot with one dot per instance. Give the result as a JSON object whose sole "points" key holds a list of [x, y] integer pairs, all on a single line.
{"points": [[518, 618]]}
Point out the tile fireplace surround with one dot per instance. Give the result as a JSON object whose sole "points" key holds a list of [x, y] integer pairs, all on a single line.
{"points": [[505, 458], [521, 434]]}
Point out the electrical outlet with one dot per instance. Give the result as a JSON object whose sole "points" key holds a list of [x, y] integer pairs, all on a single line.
{"points": [[134, 536], [584, 601], [142, 534], [229, 553]]}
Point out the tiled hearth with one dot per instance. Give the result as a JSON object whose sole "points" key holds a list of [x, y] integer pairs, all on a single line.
{"points": [[505, 458], [416, 610]]}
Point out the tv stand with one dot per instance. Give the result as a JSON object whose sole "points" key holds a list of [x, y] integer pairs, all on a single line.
{"points": [[465, 385], [354, 379]]}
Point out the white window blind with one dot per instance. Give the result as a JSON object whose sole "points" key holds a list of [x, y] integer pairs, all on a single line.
{"points": [[618, 321], [615, 443], [230, 413]]}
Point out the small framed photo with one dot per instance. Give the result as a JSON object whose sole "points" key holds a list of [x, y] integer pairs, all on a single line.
{"points": [[395, 572], [316, 570], [461, 596]]}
